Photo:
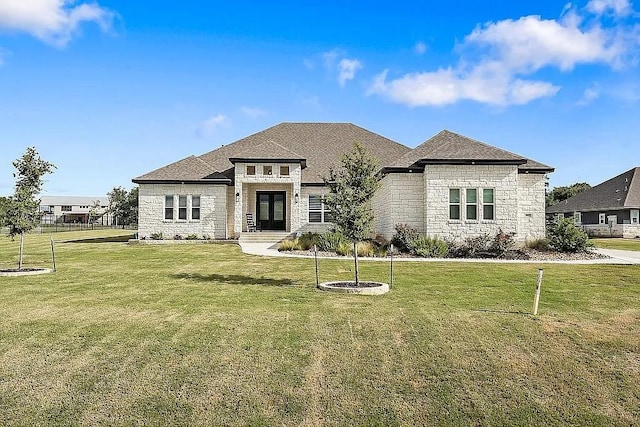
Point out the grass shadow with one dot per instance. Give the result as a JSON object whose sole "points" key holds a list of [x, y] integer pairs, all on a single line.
{"points": [[110, 239], [486, 310], [234, 279]]}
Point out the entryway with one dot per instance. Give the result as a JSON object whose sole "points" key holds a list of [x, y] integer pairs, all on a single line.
{"points": [[271, 210]]}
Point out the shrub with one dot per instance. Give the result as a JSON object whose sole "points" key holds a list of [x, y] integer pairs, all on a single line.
{"points": [[428, 247], [403, 237], [307, 240], [330, 241], [192, 237], [289, 245], [539, 245], [364, 249], [471, 246], [177, 237], [502, 242], [156, 236], [564, 236], [345, 248]]}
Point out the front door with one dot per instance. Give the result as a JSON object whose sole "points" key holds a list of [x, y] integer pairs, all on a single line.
{"points": [[271, 210]]}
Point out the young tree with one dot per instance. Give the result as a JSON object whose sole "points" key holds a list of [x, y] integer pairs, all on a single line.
{"points": [[23, 211], [94, 212], [352, 188], [4, 206]]}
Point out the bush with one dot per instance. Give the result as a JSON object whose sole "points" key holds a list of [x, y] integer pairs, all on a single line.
{"points": [[564, 236], [502, 242], [156, 236], [330, 241], [177, 237], [405, 234], [539, 245], [192, 237], [428, 247], [290, 245], [364, 249], [307, 240]]}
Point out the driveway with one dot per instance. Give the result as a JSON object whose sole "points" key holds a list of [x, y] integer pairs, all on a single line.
{"points": [[631, 257]]}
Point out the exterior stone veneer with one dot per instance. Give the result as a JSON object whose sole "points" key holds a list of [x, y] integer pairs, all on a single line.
{"points": [[247, 185], [400, 200], [213, 208]]}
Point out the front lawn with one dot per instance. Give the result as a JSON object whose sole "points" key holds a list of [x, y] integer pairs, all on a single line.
{"points": [[205, 335], [624, 244]]}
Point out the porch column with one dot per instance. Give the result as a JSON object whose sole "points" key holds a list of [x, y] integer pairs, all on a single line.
{"points": [[238, 197]]}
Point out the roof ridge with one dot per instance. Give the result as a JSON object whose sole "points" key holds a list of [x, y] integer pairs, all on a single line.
{"points": [[480, 142]]}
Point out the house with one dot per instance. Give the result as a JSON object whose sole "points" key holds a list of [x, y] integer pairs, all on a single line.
{"points": [[611, 208], [73, 209], [450, 186]]}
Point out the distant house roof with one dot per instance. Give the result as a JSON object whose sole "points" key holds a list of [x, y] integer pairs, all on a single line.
{"points": [[451, 148], [620, 192], [72, 200], [319, 146]]}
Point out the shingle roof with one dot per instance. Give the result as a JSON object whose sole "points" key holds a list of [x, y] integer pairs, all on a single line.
{"points": [[72, 200], [450, 148], [620, 192], [319, 146]]}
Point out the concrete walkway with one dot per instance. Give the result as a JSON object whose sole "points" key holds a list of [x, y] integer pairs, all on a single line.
{"points": [[270, 249]]}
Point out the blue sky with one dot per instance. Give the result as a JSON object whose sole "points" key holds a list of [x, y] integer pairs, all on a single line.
{"points": [[113, 89]]}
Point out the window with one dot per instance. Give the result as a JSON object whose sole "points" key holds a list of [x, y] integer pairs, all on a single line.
{"points": [[251, 170], [182, 207], [635, 214], [488, 204], [472, 203], [66, 208], [318, 212], [454, 203], [601, 218], [267, 170], [577, 218], [195, 207], [284, 170], [168, 207]]}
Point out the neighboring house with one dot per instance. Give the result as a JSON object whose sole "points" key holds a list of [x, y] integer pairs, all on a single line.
{"points": [[73, 209], [450, 186], [608, 209]]}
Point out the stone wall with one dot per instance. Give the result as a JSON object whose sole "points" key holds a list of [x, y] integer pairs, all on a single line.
{"points": [[400, 199], [531, 206], [438, 179], [213, 210]]}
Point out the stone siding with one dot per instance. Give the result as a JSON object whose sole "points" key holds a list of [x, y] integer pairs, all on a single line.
{"points": [[531, 207], [400, 199], [213, 208], [247, 185], [438, 179]]}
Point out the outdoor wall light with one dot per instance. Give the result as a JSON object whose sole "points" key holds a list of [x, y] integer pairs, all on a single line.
{"points": [[237, 197], [296, 198]]}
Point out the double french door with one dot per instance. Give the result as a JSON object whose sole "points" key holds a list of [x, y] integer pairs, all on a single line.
{"points": [[271, 210]]}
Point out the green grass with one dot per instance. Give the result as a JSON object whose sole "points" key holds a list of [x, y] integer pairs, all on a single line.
{"points": [[625, 244], [204, 335]]}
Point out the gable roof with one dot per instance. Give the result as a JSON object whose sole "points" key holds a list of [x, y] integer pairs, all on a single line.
{"points": [[319, 145], [189, 169], [620, 192], [451, 148]]}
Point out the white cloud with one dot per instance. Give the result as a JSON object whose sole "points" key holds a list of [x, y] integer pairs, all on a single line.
{"points": [[52, 21], [499, 59], [589, 95], [617, 7], [212, 124], [335, 61], [420, 48], [253, 113], [348, 68]]}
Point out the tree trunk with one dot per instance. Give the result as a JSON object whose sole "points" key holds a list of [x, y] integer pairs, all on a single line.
{"points": [[21, 246], [355, 261]]}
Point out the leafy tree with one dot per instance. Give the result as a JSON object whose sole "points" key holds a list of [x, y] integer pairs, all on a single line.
{"points": [[123, 205], [94, 212], [4, 206], [23, 211], [562, 193], [351, 189]]}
